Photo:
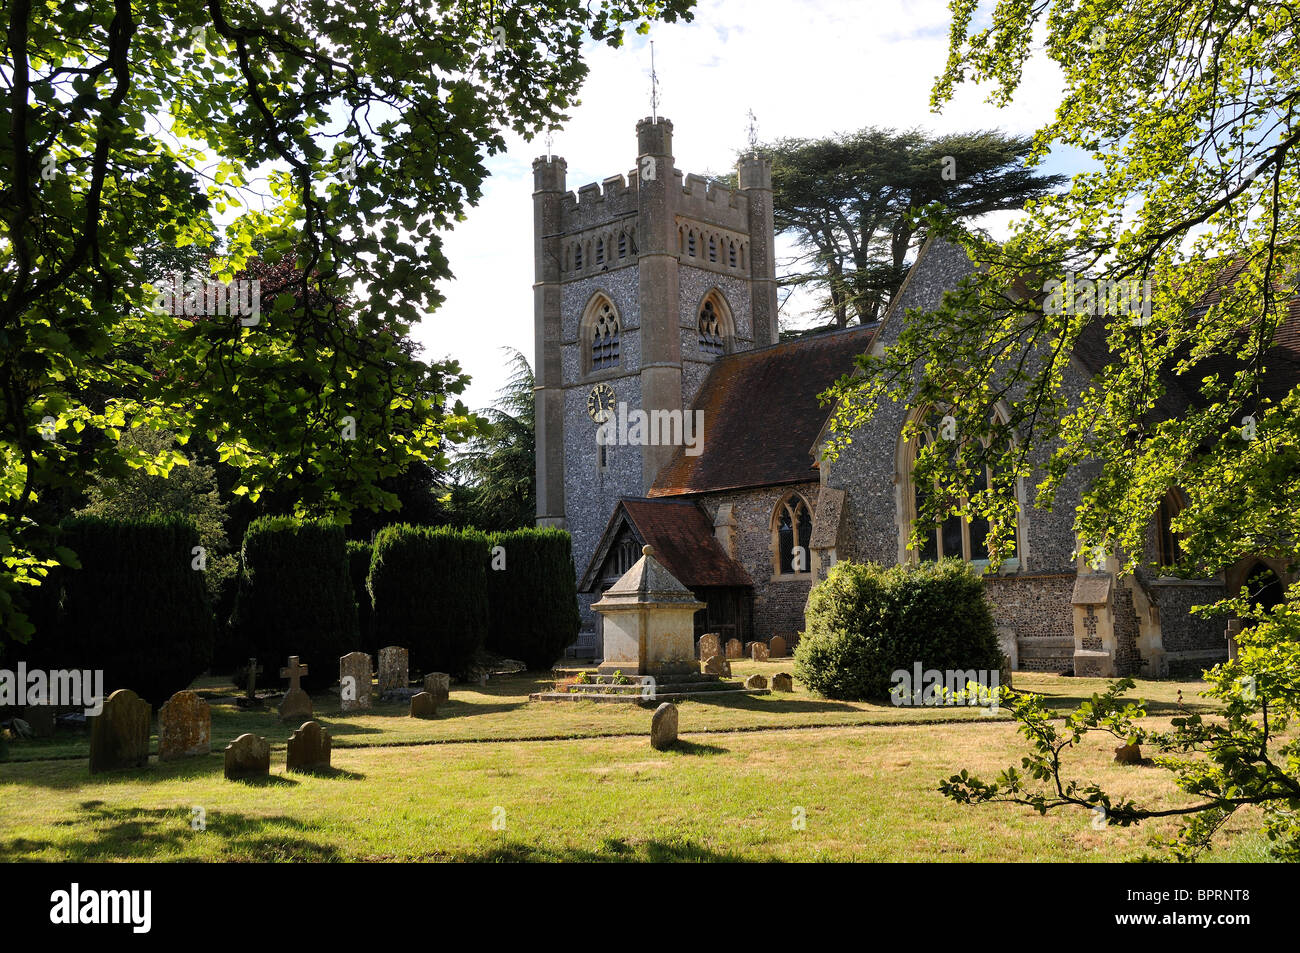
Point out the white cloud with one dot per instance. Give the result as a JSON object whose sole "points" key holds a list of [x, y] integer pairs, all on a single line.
{"points": [[805, 69]]}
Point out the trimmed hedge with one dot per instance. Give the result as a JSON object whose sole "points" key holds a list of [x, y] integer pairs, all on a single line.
{"points": [[865, 622], [429, 586], [359, 556], [136, 608], [532, 601], [295, 597]]}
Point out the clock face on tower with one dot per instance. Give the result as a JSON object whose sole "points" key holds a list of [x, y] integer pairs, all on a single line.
{"points": [[600, 403]]}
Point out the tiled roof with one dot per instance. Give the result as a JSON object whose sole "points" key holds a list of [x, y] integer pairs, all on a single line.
{"points": [[762, 415], [681, 534]]}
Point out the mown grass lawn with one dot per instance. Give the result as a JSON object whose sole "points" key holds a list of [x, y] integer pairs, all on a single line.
{"points": [[736, 788]]}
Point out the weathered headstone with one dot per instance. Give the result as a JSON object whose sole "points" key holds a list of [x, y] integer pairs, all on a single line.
{"points": [[296, 703], [782, 682], [735, 649], [40, 718], [1128, 754], [119, 735], [758, 651], [438, 684], [716, 665], [663, 727], [710, 644], [393, 671], [776, 648], [249, 698], [756, 681], [248, 756], [309, 748], [184, 727], [355, 687], [423, 705]]}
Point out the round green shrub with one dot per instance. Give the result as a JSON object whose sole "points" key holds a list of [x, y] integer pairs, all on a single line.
{"points": [[294, 598], [864, 622], [532, 596], [429, 586]]}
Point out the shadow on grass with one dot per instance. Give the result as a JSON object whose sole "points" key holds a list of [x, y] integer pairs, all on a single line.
{"points": [[103, 833], [693, 748], [611, 850], [773, 704], [337, 774]]}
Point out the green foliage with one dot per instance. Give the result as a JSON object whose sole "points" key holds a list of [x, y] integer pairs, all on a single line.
{"points": [[189, 490], [865, 622], [135, 608], [499, 464], [344, 140], [295, 598], [430, 593], [852, 203], [359, 558], [1242, 756], [532, 597]]}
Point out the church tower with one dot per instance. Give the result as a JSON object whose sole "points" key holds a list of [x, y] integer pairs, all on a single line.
{"points": [[641, 284]]}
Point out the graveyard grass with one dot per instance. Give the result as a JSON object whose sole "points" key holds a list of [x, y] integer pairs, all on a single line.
{"points": [[495, 777]]}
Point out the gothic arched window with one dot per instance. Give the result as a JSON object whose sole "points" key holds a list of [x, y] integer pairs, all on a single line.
{"points": [[711, 340], [791, 533], [603, 330], [957, 536]]}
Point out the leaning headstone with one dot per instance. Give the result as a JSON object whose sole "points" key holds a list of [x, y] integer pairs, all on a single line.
{"points": [[423, 705], [309, 748], [782, 682], [716, 665], [40, 718], [756, 681], [710, 644], [393, 671], [758, 651], [248, 756], [1128, 754], [663, 727], [438, 684], [184, 727], [776, 648], [296, 703], [119, 735], [735, 649], [354, 681]]}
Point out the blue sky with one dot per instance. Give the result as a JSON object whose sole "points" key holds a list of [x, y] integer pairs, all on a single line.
{"points": [[805, 69]]}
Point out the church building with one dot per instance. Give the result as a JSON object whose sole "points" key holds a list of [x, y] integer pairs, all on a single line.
{"points": [[668, 414]]}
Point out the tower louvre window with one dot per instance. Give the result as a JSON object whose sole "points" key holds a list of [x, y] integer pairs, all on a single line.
{"points": [[731, 254], [605, 333], [713, 248], [690, 244], [577, 257], [622, 244], [600, 251]]}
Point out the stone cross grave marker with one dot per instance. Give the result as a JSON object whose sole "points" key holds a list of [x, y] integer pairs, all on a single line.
{"points": [[119, 735], [296, 703], [355, 689], [184, 727], [250, 699]]}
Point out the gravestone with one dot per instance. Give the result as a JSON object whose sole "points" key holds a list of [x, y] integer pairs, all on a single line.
{"points": [[309, 748], [716, 665], [119, 736], [184, 727], [423, 705], [710, 644], [663, 727], [355, 687], [40, 718], [776, 648], [735, 649], [393, 671], [438, 684], [250, 699], [296, 703], [782, 682], [756, 681], [758, 651], [248, 756]]}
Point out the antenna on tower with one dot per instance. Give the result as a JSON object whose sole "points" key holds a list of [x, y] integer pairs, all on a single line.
{"points": [[753, 131], [654, 86], [550, 136]]}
